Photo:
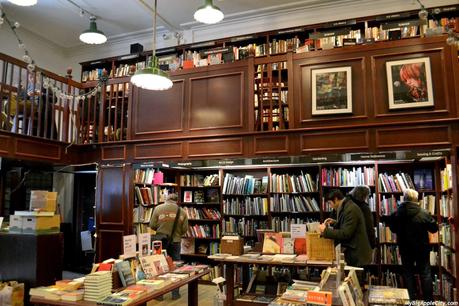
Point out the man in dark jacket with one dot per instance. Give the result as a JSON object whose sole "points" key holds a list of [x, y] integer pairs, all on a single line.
{"points": [[359, 195], [411, 223], [348, 229]]}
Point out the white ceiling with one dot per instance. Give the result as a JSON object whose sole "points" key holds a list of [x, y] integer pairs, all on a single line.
{"points": [[60, 22]]}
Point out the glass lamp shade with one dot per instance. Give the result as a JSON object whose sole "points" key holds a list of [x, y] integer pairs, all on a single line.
{"points": [[93, 36], [24, 2], [208, 13], [151, 78]]}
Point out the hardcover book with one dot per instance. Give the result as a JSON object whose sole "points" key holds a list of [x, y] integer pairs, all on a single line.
{"points": [[273, 243], [125, 272], [187, 196]]}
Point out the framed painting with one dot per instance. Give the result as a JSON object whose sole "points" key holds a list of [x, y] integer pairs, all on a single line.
{"points": [[409, 83], [331, 91]]}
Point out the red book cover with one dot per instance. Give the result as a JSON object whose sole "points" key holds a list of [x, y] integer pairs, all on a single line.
{"points": [[300, 246], [158, 178], [104, 267]]}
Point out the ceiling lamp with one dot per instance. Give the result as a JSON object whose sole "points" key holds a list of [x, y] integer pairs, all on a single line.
{"points": [[93, 36], [208, 13], [152, 77], [24, 2]]}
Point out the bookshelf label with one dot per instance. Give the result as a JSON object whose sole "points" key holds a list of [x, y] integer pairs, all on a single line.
{"points": [[446, 9], [424, 154], [392, 25], [392, 16], [226, 162], [206, 44], [215, 51], [190, 163], [241, 38], [341, 23], [321, 158], [295, 30], [376, 156], [318, 35], [271, 161]]}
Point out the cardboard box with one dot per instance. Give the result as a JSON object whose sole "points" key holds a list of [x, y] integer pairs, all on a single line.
{"points": [[15, 224], [43, 200], [233, 245], [41, 224]]}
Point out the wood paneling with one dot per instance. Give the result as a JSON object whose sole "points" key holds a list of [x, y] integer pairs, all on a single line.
{"points": [[413, 137], [216, 101], [112, 205], [270, 144], [4, 143], [332, 141], [110, 244], [215, 147], [158, 150], [159, 111], [114, 153], [37, 149], [438, 65], [303, 88]]}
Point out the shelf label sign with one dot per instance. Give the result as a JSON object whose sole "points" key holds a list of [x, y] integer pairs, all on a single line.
{"points": [[190, 163], [295, 30], [129, 246], [318, 35], [374, 156], [392, 16], [271, 161], [298, 231], [427, 154], [226, 162], [321, 158], [341, 23], [392, 25]]}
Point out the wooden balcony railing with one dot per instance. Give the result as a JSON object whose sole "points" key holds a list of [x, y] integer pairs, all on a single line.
{"points": [[43, 104]]}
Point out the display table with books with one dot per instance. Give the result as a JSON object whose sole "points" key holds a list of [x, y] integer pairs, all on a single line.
{"points": [[142, 292]]}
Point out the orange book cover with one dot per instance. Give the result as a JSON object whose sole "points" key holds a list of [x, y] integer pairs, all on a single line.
{"points": [[320, 297], [300, 246]]}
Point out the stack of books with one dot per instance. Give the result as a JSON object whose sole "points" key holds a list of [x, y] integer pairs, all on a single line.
{"points": [[97, 286]]}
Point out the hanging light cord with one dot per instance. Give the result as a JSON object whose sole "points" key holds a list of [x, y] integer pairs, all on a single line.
{"points": [[82, 10], [154, 31]]}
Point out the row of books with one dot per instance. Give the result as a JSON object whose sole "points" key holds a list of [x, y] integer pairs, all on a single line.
{"points": [[265, 96], [93, 75], [348, 177], [283, 224], [385, 234], [244, 185], [389, 205], [449, 291], [427, 202], [395, 183], [141, 228], [447, 235], [293, 183], [202, 213], [202, 196], [446, 178], [447, 206], [198, 180], [215, 272], [247, 206], [275, 115], [152, 195], [148, 176], [245, 227], [448, 260], [331, 42], [203, 231], [293, 204], [390, 255], [142, 214]]}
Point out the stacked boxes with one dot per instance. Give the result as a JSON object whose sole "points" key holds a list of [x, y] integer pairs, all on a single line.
{"points": [[41, 218]]}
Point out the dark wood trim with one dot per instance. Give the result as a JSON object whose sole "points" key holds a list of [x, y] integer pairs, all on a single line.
{"points": [[136, 147], [103, 152], [210, 141]]}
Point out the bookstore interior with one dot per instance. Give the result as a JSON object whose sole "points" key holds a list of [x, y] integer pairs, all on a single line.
{"points": [[273, 153]]}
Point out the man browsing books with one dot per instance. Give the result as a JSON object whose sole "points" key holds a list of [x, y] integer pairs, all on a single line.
{"points": [[165, 221], [348, 229], [411, 223]]}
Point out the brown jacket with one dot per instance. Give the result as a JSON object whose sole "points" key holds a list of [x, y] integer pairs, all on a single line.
{"points": [[163, 219]]}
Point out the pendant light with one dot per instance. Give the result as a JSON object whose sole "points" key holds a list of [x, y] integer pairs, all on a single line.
{"points": [[152, 77], [208, 13], [93, 36], [24, 2]]}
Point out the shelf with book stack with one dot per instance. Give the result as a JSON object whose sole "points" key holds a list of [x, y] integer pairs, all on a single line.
{"points": [[245, 202], [271, 95], [149, 191]]}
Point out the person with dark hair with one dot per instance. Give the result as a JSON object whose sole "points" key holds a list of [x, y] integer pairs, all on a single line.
{"points": [[348, 229], [359, 195], [411, 223]]}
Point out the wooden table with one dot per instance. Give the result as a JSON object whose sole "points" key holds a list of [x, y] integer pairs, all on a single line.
{"points": [[230, 266], [192, 283]]}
